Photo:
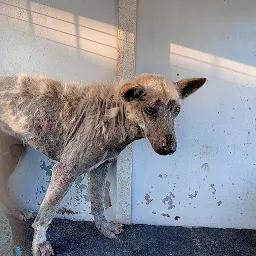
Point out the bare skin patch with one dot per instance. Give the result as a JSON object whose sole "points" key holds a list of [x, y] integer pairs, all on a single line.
{"points": [[44, 124]]}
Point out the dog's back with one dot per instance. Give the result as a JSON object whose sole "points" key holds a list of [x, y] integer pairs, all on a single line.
{"points": [[47, 114], [29, 110]]}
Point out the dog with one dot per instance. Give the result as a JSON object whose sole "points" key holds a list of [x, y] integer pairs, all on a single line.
{"points": [[84, 128]]}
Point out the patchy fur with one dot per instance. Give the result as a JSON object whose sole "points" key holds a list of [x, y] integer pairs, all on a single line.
{"points": [[84, 127]]}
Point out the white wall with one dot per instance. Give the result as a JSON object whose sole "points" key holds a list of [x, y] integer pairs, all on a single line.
{"points": [[211, 179], [65, 40]]}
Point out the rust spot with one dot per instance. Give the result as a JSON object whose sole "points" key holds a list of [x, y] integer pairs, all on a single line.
{"points": [[177, 218]]}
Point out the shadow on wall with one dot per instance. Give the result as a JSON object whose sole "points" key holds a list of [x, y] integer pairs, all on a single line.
{"points": [[64, 40], [211, 65], [90, 37]]}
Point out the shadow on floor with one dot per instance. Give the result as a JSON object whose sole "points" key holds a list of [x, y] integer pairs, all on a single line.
{"points": [[81, 239]]}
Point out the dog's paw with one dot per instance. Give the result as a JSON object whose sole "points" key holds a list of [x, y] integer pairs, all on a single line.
{"points": [[109, 229], [22, 214], [117, 228], [44, 249]]}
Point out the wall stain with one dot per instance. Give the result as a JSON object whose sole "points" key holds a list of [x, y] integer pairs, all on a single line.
{"points": [[82, 189], [205, 166], [205, 150], [47, 168], [43, 189], [148, 199], [107, 199], [162, 176], [191, 196], [213, 189], [166, 215], [219, 203], [169, 200], [66, 211], [153, 212], [39, 195]]}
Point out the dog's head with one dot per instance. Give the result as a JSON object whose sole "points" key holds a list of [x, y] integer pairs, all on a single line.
{"points": [[153, 102]]}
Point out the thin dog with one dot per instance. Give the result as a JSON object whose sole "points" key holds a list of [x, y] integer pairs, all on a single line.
{"points": [[84, 128]]}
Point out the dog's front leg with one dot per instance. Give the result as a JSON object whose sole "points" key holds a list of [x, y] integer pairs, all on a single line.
{"points": [[97, 183], [62, 178]]}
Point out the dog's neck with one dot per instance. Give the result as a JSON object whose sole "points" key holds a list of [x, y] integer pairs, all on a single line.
{"points": [[133, 131], [125, 130]]}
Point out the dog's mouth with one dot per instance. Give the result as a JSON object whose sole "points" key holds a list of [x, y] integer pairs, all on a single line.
{"points": [[164, 151], [166, 148]]}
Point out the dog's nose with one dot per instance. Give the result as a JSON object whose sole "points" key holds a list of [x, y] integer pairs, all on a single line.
{"points": [[173, 149], [168, 143]]}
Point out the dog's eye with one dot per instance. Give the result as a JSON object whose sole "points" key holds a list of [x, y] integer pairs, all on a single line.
{"points": [[150, 111], [177, 110]]}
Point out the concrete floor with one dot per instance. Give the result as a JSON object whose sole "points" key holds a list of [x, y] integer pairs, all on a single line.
{"points": [[82, 239]]}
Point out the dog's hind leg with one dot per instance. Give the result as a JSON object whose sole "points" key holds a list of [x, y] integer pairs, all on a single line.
{"points": [[97, 183], [62, 178], [11, 150]]}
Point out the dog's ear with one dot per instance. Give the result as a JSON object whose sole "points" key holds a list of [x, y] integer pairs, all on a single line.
{"points": [[130, 92], [189, 86]]}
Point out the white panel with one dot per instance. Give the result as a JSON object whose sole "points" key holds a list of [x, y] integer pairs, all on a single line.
{"points": [[211, 179], [64, 40]]}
